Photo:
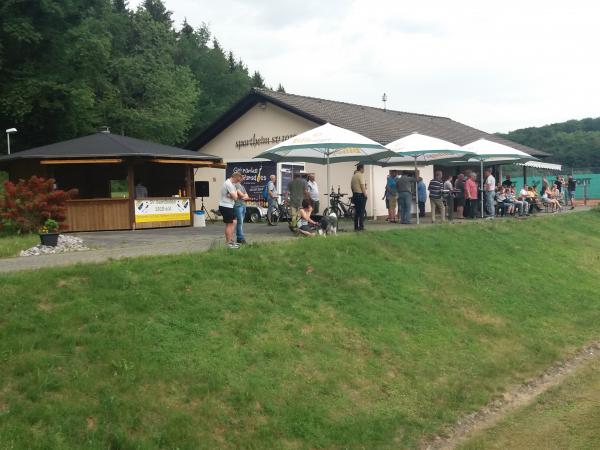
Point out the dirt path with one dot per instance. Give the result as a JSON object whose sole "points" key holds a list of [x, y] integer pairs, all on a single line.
{"points": [[512, 400]]}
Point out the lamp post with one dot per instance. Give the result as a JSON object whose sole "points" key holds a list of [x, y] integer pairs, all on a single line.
{"points": [[8, 133]]}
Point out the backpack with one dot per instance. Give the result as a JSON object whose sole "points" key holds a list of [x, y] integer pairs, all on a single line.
{"points": [[265, 192]]}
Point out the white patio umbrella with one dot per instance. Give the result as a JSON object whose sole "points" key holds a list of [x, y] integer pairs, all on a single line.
{"points": [[490, 151], [327, 144], [428, 148]]}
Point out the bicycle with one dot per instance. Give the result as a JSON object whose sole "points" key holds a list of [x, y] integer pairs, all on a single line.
{"points": [[281, 212], [338, 207]]}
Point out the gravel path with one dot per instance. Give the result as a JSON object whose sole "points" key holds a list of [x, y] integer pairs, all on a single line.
{"points": [[514, 399]]}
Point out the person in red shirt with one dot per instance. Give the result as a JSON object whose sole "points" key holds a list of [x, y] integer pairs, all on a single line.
{"points": [[471, 196]]}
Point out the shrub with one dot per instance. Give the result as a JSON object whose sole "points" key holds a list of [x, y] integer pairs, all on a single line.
{"points": [[27, 204]]}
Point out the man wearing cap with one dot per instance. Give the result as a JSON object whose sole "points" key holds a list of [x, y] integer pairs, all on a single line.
{"points": [[359, 196]]}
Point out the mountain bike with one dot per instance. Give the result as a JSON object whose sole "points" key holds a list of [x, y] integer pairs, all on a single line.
{"points": [[339, 207]]}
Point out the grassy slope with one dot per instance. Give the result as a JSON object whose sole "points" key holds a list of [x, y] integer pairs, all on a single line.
{"points": [[563, 418], [11, 245], [367, 341]]}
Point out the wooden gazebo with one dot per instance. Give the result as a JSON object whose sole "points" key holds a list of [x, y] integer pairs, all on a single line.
{"points": [[105, 169]]}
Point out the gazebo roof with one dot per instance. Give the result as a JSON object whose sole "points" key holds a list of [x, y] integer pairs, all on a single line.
{"points": [[107, 145]]}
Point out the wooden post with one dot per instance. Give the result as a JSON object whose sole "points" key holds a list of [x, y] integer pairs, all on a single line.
{"points": [[524, 175], [189, 174], [131, 189]]}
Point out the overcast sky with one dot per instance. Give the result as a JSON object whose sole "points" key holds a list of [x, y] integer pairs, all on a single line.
{"points": [[496, 66]]}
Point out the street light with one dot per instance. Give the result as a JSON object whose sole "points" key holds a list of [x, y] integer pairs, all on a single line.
{"points": [[8, 133]]}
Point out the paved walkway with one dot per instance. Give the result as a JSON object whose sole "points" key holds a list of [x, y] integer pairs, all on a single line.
{"points": [[107, 245]]}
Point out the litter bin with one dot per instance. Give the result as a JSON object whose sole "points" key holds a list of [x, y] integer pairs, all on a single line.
{"points": [[199, 219]]}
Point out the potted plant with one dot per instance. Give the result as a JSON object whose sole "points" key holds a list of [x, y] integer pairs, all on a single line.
{"points": [[49, 233]]}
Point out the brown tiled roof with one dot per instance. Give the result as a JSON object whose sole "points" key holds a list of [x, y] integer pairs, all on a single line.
{"points": [[383, 126]]}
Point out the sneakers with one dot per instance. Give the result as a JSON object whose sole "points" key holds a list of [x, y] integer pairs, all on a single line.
{"points": [[241, 241], [232, 245]]}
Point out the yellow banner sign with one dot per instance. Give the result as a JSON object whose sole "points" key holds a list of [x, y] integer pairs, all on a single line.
{"points": [[162, 210]]}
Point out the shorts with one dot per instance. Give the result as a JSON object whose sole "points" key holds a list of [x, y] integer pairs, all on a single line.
{"points": [[459, 201], [392, 202], [227, 213]]}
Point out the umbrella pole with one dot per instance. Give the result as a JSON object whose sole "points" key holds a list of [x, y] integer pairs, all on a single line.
{"points": [[417, 190], [328, 173], [481, 187]]}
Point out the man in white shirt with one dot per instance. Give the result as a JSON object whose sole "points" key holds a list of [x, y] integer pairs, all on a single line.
{"points": [[313, 191], [490, 192], [228, 197]]}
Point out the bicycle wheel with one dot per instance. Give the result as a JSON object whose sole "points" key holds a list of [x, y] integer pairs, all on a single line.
{"points": [[276, 215]]}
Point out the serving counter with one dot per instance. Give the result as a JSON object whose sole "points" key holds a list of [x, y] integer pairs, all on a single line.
{"points": [[102, 214]]}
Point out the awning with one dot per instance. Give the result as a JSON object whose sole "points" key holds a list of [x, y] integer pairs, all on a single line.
{"points": [[541, 165]]}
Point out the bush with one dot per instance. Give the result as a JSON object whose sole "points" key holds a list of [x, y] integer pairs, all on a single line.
{"points": [[27, 204]]}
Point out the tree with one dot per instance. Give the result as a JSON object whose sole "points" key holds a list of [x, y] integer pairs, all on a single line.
{"points": [[575, 143], [257, 80], [27, 204], [280, 88], [68, 67], [158, 11]]}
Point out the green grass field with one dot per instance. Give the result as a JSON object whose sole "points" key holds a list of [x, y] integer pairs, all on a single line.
{"points": [[12, 244], [375, 340], [564, 418]]}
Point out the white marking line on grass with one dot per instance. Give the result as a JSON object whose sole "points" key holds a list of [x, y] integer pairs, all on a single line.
{"points": [[512, 400]]}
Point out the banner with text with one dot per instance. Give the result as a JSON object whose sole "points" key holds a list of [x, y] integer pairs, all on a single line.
{"points": [[257, 175], [162, 210]]}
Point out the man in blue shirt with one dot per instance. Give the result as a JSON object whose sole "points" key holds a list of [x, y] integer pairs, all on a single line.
{"points": [[391, 195], [422, 191]]}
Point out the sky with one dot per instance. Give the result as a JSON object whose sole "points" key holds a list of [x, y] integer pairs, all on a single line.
{"points": [[497, 66]]}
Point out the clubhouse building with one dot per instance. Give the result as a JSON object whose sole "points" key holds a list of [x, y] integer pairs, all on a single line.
{"points": [[263, 118]]}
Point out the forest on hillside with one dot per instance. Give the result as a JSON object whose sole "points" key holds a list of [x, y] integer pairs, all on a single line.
{"points": [[71, 67], [575, 143]]}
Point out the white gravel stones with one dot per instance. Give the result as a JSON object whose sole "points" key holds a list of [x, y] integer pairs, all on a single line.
{"points": [[65, 244]]}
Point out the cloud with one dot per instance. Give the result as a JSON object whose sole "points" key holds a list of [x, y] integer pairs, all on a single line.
{"points": [[496, 66]]}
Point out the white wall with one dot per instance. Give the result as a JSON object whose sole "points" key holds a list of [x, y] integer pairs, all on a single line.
{"points": [[268, 120]]}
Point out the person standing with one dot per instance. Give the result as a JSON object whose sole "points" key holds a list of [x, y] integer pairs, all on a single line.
{"points": [[471, 195], [359, 196], [271, 198], [508, 182], [490, 192], [422, 191], [449, 197], [239, 209], [313, 191], [404, 185], [459, 195], [297, 191], [228, 198], [140, 190], [436, 188], [391, 196], [571, 187]]}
